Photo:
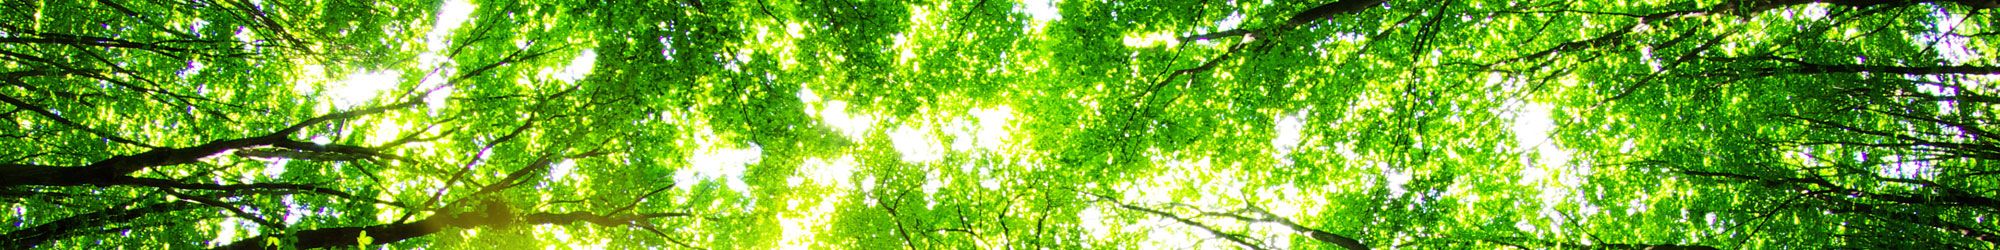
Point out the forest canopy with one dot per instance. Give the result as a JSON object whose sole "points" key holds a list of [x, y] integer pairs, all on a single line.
{"points": [[983, 124]]}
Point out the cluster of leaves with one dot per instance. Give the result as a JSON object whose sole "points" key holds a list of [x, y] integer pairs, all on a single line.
{"points": [[1348, 124]]}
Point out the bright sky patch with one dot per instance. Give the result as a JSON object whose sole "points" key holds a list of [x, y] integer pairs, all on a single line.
{"points": [[360, 87]]}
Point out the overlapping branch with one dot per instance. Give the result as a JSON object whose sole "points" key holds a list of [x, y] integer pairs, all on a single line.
{"points": [[488, 216], [104, 172], [1253, 215]]}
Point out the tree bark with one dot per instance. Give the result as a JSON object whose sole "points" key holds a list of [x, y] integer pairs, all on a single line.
{"points": [[1342, 241], [1329, 10]]}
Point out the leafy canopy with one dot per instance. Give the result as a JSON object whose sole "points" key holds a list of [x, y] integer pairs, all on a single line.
{"points": [[860, 124]]}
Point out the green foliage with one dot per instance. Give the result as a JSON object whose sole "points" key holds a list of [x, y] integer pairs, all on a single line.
{"points": [[978, 124]]}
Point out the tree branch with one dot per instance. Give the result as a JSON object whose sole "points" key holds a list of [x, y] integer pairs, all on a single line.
{"points": [[79, 225], [1234, 238], [487, 217]]}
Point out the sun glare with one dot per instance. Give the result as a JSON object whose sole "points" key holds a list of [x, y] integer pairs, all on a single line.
{"points": [[361, 87]]}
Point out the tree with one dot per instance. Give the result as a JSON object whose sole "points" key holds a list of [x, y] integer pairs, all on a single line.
{"points": [[1348, 124]]}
